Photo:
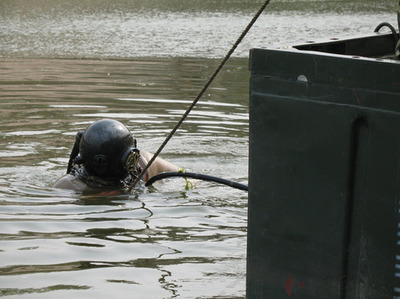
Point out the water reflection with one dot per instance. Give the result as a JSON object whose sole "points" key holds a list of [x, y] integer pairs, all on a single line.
{"points": [[106, 238], [185, 28]]}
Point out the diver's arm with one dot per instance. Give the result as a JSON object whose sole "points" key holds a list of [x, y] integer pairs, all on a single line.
{"points": [[159, 165]]}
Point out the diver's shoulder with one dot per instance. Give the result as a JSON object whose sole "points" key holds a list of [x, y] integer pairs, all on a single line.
{"points": [[70, 181]]}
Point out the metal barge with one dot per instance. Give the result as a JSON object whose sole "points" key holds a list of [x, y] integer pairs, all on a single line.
{"points": [[324, 170]]}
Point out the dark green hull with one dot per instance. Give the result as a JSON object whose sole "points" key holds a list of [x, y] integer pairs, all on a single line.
{"points": [[324, 172]]}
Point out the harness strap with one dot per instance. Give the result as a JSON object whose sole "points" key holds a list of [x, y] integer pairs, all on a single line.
{"points": [[74, 151]]}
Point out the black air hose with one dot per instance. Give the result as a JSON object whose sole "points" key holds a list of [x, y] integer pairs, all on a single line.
{"points": [[199, 176]]}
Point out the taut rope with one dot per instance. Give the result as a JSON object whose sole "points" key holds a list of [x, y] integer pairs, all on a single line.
{"points": [[189, 109]]}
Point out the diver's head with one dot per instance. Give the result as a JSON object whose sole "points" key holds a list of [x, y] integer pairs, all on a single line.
{"points": [[108, 150]]}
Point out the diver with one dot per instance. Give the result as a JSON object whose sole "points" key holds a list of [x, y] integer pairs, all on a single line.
{"points": [[105, 157]]}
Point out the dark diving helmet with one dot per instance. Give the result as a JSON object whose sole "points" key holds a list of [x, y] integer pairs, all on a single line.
{"points": [[108, 150]]}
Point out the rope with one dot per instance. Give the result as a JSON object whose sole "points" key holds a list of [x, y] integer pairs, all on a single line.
{"points": [[189, 109]]}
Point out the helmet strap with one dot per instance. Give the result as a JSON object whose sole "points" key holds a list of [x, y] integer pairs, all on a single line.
{"points": [[74, 151]]}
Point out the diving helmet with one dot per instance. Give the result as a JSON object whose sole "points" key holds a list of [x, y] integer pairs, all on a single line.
{"points": [[108, 150]]}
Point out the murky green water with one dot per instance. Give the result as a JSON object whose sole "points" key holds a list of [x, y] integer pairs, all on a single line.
{"points": [[65, 64]]}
